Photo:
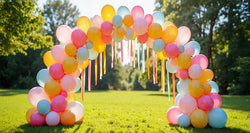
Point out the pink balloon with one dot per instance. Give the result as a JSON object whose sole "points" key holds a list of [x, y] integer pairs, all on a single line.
{"points": [[137, 12], [173, 62], [183, 74], [76, 73], [189, 50], [36, 94], [140, 26], [171, 50], [205, 103], [68, 83], [195, 71], [183, 36], [58, 53], [150, 42], [97, 20], [63, 34], [187, 104], [36, 119], [64, 93], [79, 38], [56, 71], [107, 28], [217, 99], [59, 103], [52, 118], [200, 60], [172, 114], [149, 19]]}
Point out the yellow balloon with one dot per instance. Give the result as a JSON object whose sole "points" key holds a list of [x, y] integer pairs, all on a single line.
{"points": [[120, 32], [195, 88], [168, 23], [48, 59], [94, 34], [71, 50], [199, 119], [154, 31], [161, 55], [71, 97], [99, 46], [70, 65], [207, 75], [207, 88], [184, 61], [169, 34], [84, 23], [108, 12], [29, 113], [83, 64], [128, 20], [52, 88]]}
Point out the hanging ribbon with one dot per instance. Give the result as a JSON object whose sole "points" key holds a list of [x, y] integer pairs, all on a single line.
{"points": [[153, 56], [82, 88], [112, 56], [115, 54], [104, 61], [156, 76], [148, 62], [173, 79], [89, 76], [163, 75], [131, 54], [143, 58], [168, 86], [96, 71], [134, 51], [138, 56], [122, 50], [100, 64], [128, 56]]}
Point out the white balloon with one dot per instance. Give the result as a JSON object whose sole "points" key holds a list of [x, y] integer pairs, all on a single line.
{"points": [[77, 108], [78, 85], [195, 45], [92, 54], [182, 86], [42, 77], [170, 68], [214, 86]]}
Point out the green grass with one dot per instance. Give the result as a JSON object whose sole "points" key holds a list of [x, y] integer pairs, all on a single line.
{"points": [[119, 111]]}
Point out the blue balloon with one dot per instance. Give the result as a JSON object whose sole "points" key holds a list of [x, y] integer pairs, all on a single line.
{"points": [[78, 85], [217, 118], [183, 120], [123, 11], [43, 107], [181, 48], [158, 45], [158, 17], [89, 45], [42, 77], [117, 21], [82, 54], [214, 86], [196, 46]]}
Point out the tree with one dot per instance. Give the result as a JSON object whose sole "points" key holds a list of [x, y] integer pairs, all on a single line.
{"points": [[57, 12], [19, 27]]}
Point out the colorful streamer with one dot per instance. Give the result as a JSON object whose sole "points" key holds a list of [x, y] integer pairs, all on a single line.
{"points": [[168, 86], [138, 57], [96, 71], [82, 88], [122, 50], [89, 76], [153, 56], [131, 54], [173, 79], [104, 61], [134, 51], [112, 56], [163, 75], [143, 58], [156, 68], [115, 54], [100, 65], [148, 62]]}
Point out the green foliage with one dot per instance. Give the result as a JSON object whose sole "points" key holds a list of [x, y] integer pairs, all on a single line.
{"points": [[19, 27]]}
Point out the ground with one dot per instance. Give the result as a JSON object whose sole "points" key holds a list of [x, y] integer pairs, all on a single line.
{"points": [[119, 111]]}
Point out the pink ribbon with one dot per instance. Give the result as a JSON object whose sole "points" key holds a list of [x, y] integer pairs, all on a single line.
{"points": [[89, 76]]}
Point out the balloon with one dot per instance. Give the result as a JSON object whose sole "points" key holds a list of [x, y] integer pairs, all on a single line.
{"points": [[205, 103], [107, 28], [140, 26], [52, 118], [108, 12], [52, 88], [129, 33], [78, 38], [70, 65], [207, 88], [128, 20], [195, 71], [154, 31], [117, 39], [56, 71], [214, 86], [71, 97], [29, 113], [48, 59], [177, 99], [187, 104], [195, 45], [123, 11], [149, 19], [207, 75], [76, 108], [36, 119], [195, 88], [84, 23], [217, 118], [170, 68], [68, 83], [161, 55], [183, 120], [137, 11], [64, 93], [120, 32], [189, 50], [76, 73], [117, 21], [67, 118], [82, 54], [58, 53], [142, 38], [182, 86], [43, 107], [94, 34], [99, 46], [89, 45], [183, 74], [92, 54], [97, 20], [172, 114], [36, 94], [158, 17], [199, 119], [169, 34], [181, 48], [200, 60], [59, 103], [107, 39], [150, 42], [183, 36], [78, 85], [42, 77], [184, 61], [63, 34], [217, 99], [171, 50], [71, 50], [158, 45], [166, 24], [84, 64]]}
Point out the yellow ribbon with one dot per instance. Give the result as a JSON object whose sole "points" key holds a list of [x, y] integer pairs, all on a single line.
{"points": [[156, 76], [96, 71], [100, 63], [163, 75]]}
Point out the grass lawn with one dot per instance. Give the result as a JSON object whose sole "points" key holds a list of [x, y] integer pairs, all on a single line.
{"points": [[119, 111]]}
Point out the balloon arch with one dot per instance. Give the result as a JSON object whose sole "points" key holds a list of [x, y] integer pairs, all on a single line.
{"points": [[197, 101]]}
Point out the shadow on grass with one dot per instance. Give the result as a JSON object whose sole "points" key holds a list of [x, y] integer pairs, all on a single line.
{"points": [[236, 102], [11, 92]]}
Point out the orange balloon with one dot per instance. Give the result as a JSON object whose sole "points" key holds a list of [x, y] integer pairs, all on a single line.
{"points": [[161, 55], [207, 88], [68, 118], [94, 34], [184, 61], [195, 88], [29, 113], [169, 34], [120, 32], [108, 12], [83, 64], [84, 23], [207, 75], [69, 65], [99, 46], [52, 88], [168, 23], [128, 20], [48, 59], [154, 31], [71, 50]]}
